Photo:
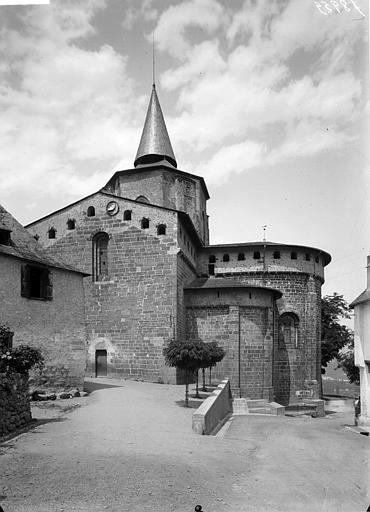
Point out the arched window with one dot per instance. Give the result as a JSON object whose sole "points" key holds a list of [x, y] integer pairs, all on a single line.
{"points": [[288, 330], [276, 255], [144, 223], [52, 233], [293, 255], [127, 214], [161, 229], [225, 257], [256, 255], [90, 211], [142, 199], [71, 224], [241, 256], [100, 256]]}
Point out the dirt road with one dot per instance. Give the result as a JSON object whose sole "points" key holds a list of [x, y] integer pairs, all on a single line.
{"points": [[131, 448]]}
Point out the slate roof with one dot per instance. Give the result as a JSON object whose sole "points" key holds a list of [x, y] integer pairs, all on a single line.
{"points": [[25, 247], [155, 140], [203, 283], [363, 297]]}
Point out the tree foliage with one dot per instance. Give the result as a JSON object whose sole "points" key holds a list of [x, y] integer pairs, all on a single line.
{"points": [[346, 361], [19, 359], [334, 335], [190, 355]]}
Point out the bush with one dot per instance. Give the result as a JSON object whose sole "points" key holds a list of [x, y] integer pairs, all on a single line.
{"points": [[19, 359]]}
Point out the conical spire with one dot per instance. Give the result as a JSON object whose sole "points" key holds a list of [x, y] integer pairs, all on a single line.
{"points": [[155, 144]]}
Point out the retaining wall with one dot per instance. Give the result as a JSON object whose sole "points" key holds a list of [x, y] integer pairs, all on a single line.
{"points": [[213, 410], [15, 409]]}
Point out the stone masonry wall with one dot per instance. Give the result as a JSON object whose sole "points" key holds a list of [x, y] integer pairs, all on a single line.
{"points": [[294, 367], [57, 326], [236, 320], [129, 313], [15, 409]]}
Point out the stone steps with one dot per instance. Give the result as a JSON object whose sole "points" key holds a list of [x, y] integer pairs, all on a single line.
{"points": [[243, 406]]}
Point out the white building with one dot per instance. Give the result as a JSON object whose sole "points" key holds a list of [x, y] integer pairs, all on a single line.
{"points": [[362, 347]]}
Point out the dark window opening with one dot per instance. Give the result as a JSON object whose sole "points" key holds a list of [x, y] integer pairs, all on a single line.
{"points": [[36, 237], [293, 255], [91, 211], [52, 233], [308, 257], [256, 255], [142, 199], [317, 259], [100, 256], [276, 255], [225, 257], [5, 237], [241, 256], [161, 229], [71, 224], [144, 223], [127, 214], [36, 283], [288, 331], [212, 259], [211, 269]]}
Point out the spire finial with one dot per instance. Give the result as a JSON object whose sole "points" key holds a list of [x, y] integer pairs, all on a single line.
{"points": [[153, 61]]}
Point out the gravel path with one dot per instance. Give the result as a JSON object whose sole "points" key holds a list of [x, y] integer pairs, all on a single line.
{"points": [[130, 447]]}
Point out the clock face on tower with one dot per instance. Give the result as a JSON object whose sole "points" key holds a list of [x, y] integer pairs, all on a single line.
{"points": [[112, 208]]}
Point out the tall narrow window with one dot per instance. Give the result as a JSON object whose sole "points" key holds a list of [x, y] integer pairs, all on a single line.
{"points": [[256, 255], [71, 224], [100, 256], [144, 223], [225, 257], [127, 214], [293, 255], [212, 259], [52, 233], [288, 331], [161, 229], [308, 257], [90, 211]]}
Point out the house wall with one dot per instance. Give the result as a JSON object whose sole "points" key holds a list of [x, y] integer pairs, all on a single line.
{"points": [[57, 326], [131, 313]]}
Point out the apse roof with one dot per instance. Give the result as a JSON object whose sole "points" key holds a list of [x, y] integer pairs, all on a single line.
{"points": [[155, 142], [203, 283]]}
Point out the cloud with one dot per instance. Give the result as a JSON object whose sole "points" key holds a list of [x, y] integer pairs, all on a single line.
{"points": [[285, 81], [235, 159], [69, 114], [206, 15]]}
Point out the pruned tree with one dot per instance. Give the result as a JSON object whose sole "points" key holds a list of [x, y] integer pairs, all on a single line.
{"points": [[215, 355], [186, 355]]}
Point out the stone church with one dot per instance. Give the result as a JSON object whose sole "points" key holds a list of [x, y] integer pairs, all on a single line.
{"points": [[144, 240]]}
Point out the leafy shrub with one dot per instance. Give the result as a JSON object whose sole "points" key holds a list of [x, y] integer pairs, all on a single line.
{"points": [[19, 359]]}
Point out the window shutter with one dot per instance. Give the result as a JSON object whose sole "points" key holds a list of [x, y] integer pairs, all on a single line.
{"points": [[49, 286], [25, 281]]}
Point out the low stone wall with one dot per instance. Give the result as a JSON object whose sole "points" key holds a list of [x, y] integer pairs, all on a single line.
{"points": [[15, 409], [213, 410]]}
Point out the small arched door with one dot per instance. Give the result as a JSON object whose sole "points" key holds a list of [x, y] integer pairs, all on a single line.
{"points": [[100, 363]]}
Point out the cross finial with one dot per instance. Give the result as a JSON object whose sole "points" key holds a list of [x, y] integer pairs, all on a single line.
{"points": [[264, 232]]}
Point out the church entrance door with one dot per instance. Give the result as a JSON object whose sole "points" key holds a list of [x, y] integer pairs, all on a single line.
{"points": [[101, 363]]}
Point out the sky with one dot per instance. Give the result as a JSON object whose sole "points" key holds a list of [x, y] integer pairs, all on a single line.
{"points": [[267, 100]]}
